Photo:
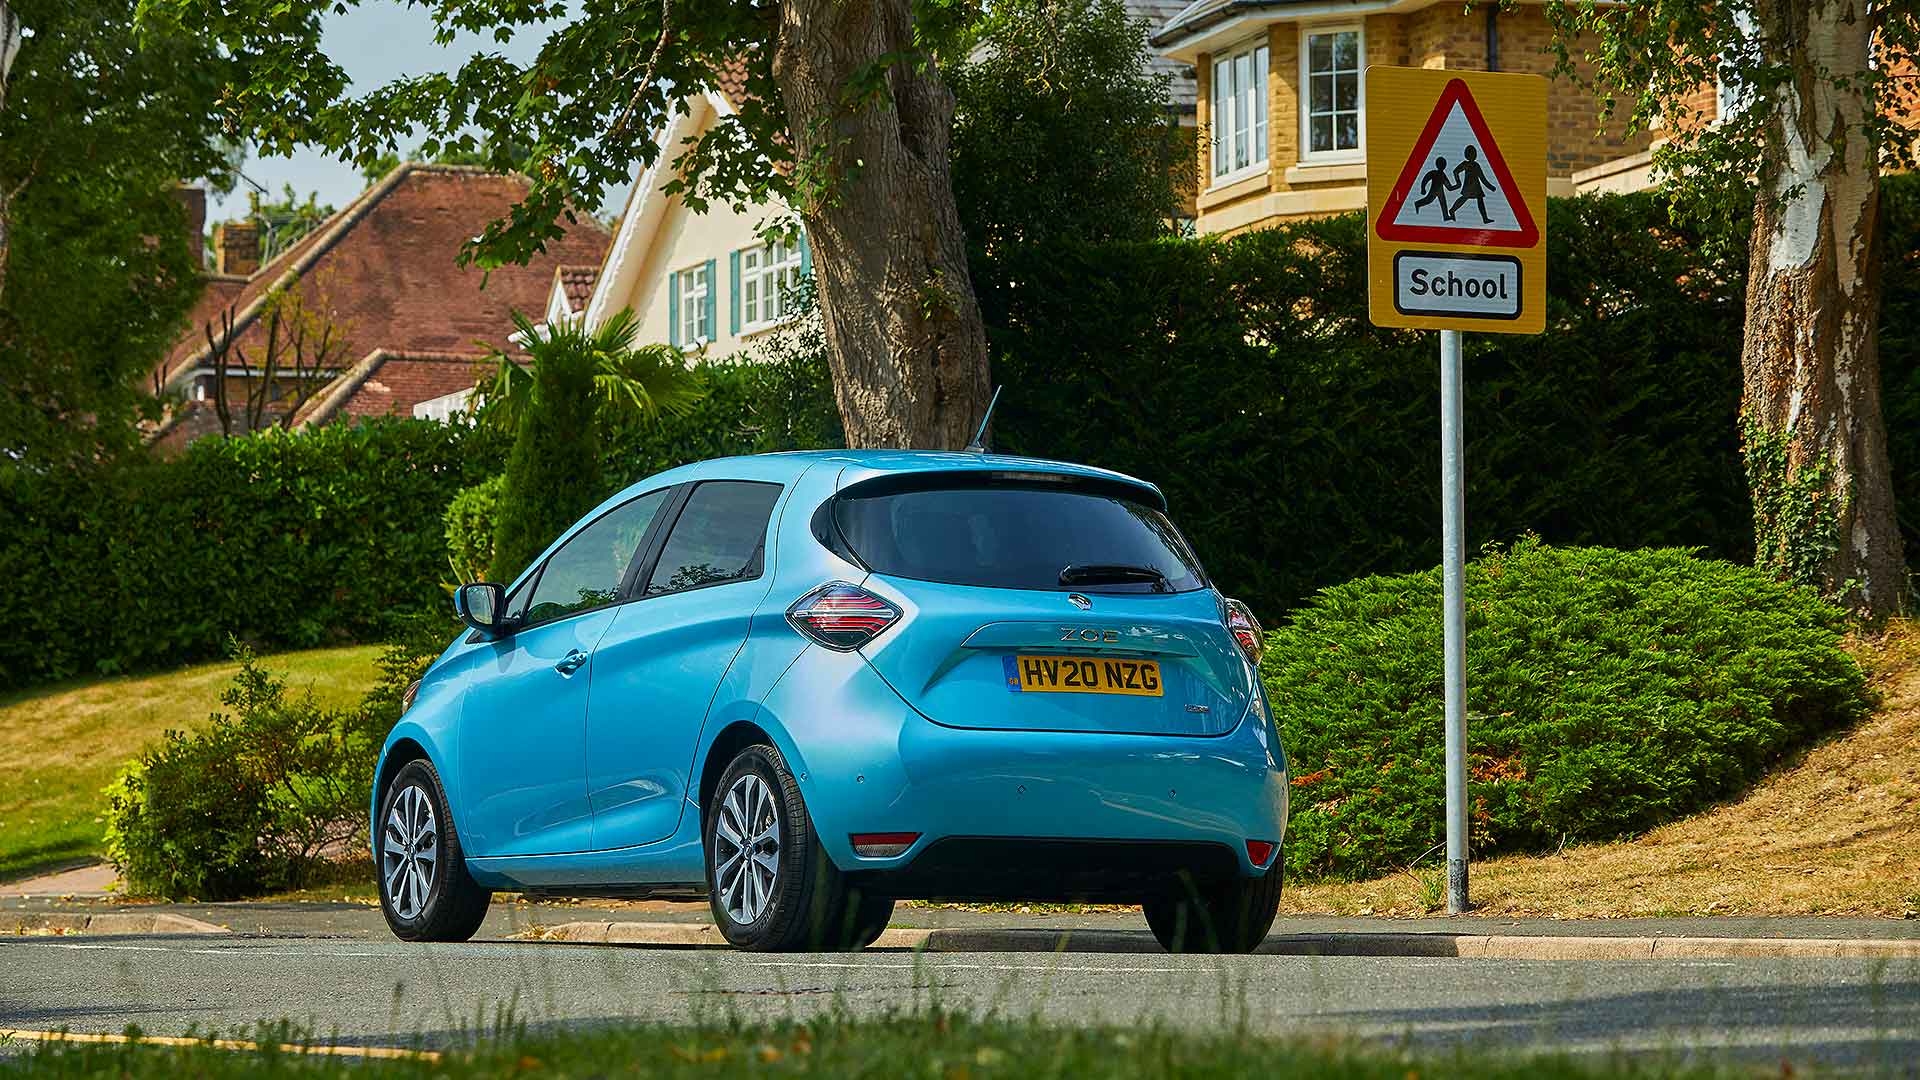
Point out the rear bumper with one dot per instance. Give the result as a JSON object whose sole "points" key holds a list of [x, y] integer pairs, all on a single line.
{"points": [[1008, 814]]}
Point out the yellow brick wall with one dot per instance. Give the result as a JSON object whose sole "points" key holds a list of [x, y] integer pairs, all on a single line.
{"points": [[1441, 37]]}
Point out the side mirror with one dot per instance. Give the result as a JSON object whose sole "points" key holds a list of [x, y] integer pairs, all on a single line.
{"points": [[482, 605]]}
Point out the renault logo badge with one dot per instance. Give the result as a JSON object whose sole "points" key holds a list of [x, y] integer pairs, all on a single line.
{"points": [[1079, 601]]}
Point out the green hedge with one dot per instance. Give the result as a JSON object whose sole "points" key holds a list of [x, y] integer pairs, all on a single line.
{"points": [[284, 541], [1607, 692], [1299, 445]]}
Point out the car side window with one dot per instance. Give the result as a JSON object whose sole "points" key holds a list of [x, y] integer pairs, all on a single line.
{"points": [[721, 536], [587, 570]]}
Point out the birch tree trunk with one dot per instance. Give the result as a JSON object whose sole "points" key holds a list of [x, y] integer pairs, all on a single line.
{"points": [[9, 45], [1814, 437], [904, 332]]}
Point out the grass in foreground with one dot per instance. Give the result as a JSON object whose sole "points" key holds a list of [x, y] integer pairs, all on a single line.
{"points": [[59, 746], [1831, 834], [939, 1045]]}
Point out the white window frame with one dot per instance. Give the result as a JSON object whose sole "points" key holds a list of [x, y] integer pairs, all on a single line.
{"points": [[1224, 120], [1327, 157], [769, 277], [695, 284]]}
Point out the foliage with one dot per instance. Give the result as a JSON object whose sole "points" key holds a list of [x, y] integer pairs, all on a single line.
{"points": [[934, 1041], [629, 380], [554, 472], [284, 540], [578, 118], [249, 803], [1648, 63], [1900, 346], [1608, 692], [1299, 445], [1062, 130], [101, 122], [462, 149], [285, 220], [470, 519]]}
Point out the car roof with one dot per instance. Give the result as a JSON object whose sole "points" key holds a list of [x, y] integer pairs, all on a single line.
{"points": [[861, 465]]}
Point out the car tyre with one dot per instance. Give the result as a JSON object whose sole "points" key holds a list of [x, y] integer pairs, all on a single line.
{"points": [[1226, 917], [771, 885], [426, 892]]}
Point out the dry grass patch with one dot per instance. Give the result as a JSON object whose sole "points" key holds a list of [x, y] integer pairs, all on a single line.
{"points": [[1833, 833], [59, 746]]}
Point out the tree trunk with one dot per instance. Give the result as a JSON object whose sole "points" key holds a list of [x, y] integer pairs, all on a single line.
{"points": [[1814, 437], [10, 38], [904, 335]]}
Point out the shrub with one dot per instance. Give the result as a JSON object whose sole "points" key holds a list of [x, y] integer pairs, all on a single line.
{"points": [[470, 522], [282, 540], [554, 470], [251, 802], [1607, 692]]}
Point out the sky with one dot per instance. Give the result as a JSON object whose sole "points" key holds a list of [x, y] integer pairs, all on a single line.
{"points": [[374, 43]]}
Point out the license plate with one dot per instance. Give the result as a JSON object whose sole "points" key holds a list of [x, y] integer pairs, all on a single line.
{"points": [[1082, 675]]}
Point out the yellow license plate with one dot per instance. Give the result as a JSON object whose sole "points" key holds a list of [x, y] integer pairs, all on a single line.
{"points": [[1083, 675]]}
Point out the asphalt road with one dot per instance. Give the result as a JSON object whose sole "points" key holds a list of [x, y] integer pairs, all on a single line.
{"points": [[380, 991]]}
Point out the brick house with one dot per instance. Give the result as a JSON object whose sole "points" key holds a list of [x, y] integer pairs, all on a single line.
{"points": [[407, 326], [1272, 153]]}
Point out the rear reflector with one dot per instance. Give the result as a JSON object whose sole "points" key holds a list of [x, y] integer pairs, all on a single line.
{"points": [[1259, 851], [841, 616], [882, 845]]}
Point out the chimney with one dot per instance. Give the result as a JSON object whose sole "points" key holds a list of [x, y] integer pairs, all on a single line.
{"points": [[193, 198], [236, 248]]}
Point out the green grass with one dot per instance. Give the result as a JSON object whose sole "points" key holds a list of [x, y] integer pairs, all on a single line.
{"points": [[935, 1045], [60, 745]]}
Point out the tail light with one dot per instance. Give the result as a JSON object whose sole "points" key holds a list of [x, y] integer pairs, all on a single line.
{"points": [[1259, 851], [840, 616], [1246, 630]]}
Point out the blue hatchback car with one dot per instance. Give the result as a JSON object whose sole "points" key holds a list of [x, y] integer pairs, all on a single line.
{"points": [[807, 685]]}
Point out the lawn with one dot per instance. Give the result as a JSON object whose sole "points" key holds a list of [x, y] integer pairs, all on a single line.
{"points": [[938, 1045], [60, 745]]}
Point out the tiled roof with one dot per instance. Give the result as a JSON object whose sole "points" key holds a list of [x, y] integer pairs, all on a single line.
{"points": [[1182, 89], [731, 80], [577, 281], [387, 383], [383, 271]]}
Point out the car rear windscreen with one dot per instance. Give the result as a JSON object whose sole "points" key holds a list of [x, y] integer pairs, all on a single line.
{"points": [[1014, 535]]}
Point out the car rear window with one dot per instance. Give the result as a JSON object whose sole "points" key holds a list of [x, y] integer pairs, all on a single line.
{"points": [[1014, 535]]}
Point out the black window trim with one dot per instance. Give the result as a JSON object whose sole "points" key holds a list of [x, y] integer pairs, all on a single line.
{"points": [[649, 541], [636, 582]]}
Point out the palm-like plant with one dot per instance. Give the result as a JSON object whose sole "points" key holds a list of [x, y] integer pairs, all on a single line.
{"points": [[629, 381]]}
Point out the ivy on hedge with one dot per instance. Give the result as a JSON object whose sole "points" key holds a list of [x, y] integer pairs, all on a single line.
{"points": [[1607, 692]]}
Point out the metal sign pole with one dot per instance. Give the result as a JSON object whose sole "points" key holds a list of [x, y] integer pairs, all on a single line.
{"points": [[1453, 514]]}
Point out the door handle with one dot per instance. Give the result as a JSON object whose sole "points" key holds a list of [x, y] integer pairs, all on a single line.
{"points": [[572, 662]]}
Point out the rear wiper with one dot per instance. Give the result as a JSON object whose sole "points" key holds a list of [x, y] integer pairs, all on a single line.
{"points": [[1113, 574]]}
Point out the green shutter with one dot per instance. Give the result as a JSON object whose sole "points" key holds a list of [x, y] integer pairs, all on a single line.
{"points": [[733, 294], [713, 301], [673, 310], [806, 256]]}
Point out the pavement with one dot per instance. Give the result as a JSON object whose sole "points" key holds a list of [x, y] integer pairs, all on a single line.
{"points": [[334, 968]]}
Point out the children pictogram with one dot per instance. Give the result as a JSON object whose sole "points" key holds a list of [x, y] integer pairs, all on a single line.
{"points": [[1466, 193]]}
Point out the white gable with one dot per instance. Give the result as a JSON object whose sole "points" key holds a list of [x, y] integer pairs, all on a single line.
{"points": [[659, 238]]}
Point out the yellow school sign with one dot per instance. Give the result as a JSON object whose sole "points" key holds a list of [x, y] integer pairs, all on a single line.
{"points": [[1457, 200]]}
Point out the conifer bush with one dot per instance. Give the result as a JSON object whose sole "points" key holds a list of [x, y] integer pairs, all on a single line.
{"points": [[1607, 692]]}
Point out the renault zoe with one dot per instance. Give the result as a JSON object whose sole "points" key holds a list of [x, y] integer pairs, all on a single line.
{"points": [[807, 685]]}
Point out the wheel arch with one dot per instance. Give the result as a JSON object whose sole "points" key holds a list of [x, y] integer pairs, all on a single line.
{"points": [[734, 737]]}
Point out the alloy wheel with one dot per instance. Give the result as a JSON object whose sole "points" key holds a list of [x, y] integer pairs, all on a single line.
{"points": [[409, 852], [747, 843]]}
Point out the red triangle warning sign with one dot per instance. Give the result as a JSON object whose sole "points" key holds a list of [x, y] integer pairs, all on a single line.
{"points": [[1456, 187]]}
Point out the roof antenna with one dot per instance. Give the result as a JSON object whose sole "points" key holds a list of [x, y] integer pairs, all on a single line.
{"points": [[979, 443]]}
